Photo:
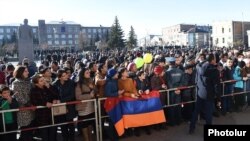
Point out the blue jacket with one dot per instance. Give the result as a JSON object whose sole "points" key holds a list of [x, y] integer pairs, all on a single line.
{"points": [[111, 88], [207, 80], [174, 77], [237, 76]]}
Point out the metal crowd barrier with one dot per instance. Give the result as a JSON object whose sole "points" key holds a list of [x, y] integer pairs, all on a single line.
{"points": [[52, 116], [98, 109]]}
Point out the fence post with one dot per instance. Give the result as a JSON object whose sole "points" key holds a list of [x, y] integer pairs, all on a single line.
{"points": [[96, 119], [99, 119], [52, 115], [168, 98], [223, 89], [4, 129]]}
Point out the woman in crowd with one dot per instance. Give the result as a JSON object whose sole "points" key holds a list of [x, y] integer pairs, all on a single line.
{"points": [[85, 90], [240, 76], [143, 88], [21, 86], [228, 72], [41, 96], [100, 79], [66, 91], [126, 84], [158, 83]]}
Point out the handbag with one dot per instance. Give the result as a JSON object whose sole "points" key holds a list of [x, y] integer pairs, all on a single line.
{"points": [[59, 110]]}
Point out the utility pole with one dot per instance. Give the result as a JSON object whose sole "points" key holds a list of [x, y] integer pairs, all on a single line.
{"points": [[243, 31]]}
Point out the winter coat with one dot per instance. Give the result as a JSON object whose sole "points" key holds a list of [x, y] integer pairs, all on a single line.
{"points": [[22, 90]]}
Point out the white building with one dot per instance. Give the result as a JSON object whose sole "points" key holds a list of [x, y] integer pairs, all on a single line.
{"points": [[248, 35], [150, 40], [230, 33], [186, 35]]}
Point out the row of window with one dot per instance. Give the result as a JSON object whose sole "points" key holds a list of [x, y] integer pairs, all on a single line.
{"points": [[62, 36], [62, 29], [11, 30], [7, 30], [56, 42], [2, 36], [222, 40], [94, 30], [223, 30]]}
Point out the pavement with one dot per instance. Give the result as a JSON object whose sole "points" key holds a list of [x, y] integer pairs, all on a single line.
{"points": [[180, 133]]}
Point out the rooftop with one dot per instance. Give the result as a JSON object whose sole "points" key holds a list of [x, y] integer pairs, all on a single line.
{"points": [[62, 22]]}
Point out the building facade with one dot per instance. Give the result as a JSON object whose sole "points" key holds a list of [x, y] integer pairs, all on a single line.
{"points": [[150, 40], [186, 35], [8, 32], [230, 33], [58, 34]]}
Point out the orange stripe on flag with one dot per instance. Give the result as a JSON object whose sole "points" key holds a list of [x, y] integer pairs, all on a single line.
{"points": [[119, 126], [144, 119]]}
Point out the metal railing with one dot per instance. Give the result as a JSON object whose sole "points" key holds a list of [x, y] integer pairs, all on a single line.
{"points": [[52, 116], [98, 109]]}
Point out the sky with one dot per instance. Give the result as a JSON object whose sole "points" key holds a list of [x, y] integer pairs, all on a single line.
{"points": [[146, 16]]}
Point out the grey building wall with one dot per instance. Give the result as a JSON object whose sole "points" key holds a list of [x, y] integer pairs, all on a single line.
{"points": [[59, 34]]}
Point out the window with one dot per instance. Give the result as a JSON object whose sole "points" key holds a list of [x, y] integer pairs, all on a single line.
{"points": [[83, 30], [99, 30], [56, 42], [89, 36], [222, 30], [1, 30], [70, 42], [63, 42], [8, 36], [89, 30], [217, 41], [63, 36], [69, 36], [34, 30], [76, 36], [49, 36], [94, 30], [63, 29], [56, 36], [49, 42], [49, 29], [1, 37], [223, 40], [54, 30], [76, 42], [8, 30], [76, 29], [229, 30], [69, 29]]}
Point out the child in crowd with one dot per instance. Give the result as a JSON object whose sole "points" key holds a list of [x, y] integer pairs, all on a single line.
{"points": [[8, 102]]}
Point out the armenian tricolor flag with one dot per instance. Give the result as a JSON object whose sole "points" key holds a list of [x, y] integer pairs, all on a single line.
{"points": [[127, 112]]}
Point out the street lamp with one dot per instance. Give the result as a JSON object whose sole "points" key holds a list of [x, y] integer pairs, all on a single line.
{"points": [[209, 41]]}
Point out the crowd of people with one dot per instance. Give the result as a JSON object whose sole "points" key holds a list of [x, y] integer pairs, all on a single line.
{"points": [[115, 74]]}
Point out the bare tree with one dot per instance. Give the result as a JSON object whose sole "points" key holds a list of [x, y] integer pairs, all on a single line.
{"points": [[82, 40]]}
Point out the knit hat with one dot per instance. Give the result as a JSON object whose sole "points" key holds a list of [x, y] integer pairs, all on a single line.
{"points": [[158, 70], [111, 73], [130, 66]]}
